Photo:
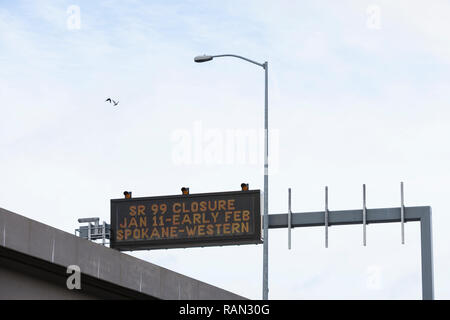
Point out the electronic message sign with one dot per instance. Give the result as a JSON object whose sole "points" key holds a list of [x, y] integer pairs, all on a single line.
{"points": [[181, 221]]}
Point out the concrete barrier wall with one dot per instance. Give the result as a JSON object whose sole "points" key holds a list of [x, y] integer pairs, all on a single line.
{"points": [[32, 239]]}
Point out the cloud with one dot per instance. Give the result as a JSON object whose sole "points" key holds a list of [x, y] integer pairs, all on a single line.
{"points": [[352, 105]]}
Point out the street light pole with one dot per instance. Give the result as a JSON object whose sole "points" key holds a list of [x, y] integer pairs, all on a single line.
{"points": [[265, 66], [266, 187]]}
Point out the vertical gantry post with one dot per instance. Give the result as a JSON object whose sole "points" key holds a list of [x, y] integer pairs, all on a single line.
{"points": [[402, 212], [289, 218], [426, 237], [326, 217], [364, 215], [103, 233]]}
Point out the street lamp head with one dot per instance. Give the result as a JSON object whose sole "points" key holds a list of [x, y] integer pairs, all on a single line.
{"points": [[204, 58]]}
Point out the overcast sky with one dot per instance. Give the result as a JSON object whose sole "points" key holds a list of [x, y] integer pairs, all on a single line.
{"points": [[358, 93]]}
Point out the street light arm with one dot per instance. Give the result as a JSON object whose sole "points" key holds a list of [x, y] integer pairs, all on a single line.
{"points": [[263, 65]]}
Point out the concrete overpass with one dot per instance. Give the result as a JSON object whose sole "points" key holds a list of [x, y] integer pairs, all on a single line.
{"points": [[34, 258]]}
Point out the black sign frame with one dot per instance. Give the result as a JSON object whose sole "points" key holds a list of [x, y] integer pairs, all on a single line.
{"points": [[222, 240]]}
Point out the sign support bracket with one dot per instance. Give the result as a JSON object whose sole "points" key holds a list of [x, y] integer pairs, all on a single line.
{"points": [[384, 215]]}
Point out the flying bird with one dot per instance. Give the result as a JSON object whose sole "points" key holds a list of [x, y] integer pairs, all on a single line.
{"points": [[112, 101]]}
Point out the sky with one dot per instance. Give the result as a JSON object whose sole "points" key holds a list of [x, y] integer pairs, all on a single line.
{"points": [[358, 94]]}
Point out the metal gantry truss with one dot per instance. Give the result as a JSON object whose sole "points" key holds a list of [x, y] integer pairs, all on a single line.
{"points": [[93, 230], [366, 216]]}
